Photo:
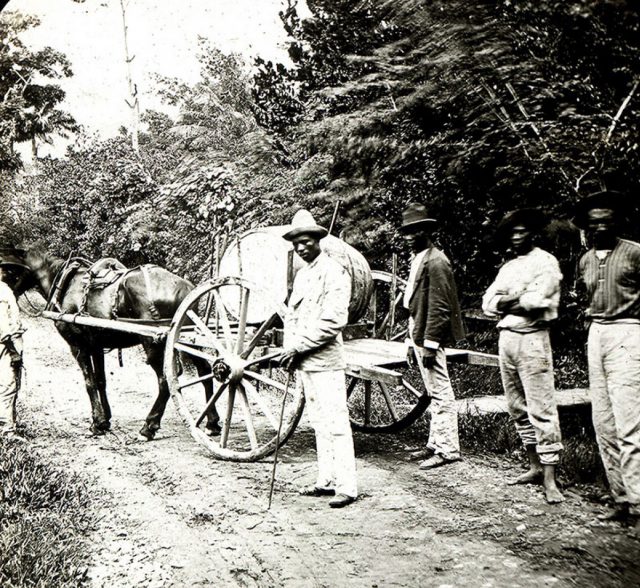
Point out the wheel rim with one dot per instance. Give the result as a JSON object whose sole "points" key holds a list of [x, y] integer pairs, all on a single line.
{"points": [[248, 388], [379, 407]]}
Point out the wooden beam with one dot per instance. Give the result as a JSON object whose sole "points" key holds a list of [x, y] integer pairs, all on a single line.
{"points": [[374, 373], [113, 325]]}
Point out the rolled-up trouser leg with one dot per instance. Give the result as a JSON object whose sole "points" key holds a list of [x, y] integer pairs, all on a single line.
{"points": [[528, 378], [327, 394], [8, 395], [443, 430]]}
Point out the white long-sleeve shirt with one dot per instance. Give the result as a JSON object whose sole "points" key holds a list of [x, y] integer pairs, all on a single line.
{"points": [[318, 310], [536, 278]]}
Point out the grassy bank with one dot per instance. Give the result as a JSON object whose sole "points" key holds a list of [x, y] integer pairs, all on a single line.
{"points": [[44, 515]]}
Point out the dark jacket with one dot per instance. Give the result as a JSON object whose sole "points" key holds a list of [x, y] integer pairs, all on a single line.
{"points": [[434, 302]]}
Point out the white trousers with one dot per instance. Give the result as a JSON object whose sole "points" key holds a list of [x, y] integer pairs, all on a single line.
{"points": [[614, 383], [326, 396], [8, 394], [443, 432]]}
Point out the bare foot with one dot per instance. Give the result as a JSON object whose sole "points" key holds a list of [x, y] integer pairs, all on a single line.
{"points": [[552, 494], [533, 476]]}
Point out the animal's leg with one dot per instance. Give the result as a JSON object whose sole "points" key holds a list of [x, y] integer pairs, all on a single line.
{"points": [[155, 359], [97, 358], [212, 427], [100, 422]]}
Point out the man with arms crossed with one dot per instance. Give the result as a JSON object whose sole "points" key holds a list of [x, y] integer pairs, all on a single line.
{"points": [[525, 296], [611, 273], [317, 312]]}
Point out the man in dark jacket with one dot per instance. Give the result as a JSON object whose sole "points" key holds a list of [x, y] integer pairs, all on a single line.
{"points": [[432, 300]]}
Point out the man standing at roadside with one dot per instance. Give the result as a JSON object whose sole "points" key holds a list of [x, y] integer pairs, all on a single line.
{"points": [[10, 354], [432, 300], [317, 312], [611, 273], [525, 296]]}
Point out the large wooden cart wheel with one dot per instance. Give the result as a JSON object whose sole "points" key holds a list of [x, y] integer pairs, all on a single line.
{"points": [[387, 406], [221, 327]]}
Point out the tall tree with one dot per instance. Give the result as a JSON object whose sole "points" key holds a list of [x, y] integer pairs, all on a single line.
{"points": [[29, 102]]}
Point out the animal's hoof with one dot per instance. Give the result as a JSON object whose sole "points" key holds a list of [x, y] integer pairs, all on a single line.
{"points": [[148, 433], [213, 430], [100, 428]]}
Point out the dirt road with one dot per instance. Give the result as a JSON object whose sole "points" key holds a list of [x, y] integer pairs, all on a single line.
{"points": [[173, 516]]}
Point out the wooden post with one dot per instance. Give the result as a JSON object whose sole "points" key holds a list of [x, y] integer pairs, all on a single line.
{"points": [[392, 297]]}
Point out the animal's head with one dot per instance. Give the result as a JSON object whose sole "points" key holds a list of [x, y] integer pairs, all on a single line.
{"points": [[16, 270]]}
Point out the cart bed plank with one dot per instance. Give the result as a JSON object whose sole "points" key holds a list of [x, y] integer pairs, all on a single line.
{"points": [[380, 352]]}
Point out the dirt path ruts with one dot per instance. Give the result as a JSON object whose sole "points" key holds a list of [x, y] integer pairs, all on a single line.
{"points": [[173, 516]]}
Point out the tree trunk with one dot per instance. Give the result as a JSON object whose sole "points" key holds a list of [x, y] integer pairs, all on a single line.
{"points": [[132, 100]]}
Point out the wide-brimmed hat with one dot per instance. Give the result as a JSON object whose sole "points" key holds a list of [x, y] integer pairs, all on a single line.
{"points": [[414, 217], [303, 223], [606, 199], [534, 219]]}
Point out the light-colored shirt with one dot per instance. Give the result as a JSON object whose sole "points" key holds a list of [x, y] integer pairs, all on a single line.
{"points": [[318, 310], [413, 274], [535, 278], [10, 324], [613, 282]]}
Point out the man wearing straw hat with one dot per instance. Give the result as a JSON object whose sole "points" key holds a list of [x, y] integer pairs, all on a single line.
{"points": [[432, 300], [10, 349], [316, 314], [611, 273], [525, 297]]}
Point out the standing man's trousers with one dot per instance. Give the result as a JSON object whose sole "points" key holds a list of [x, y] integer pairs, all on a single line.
{"points": [[8, 394], [443, 431], [326, 397], [526, 367], [614, 381]]}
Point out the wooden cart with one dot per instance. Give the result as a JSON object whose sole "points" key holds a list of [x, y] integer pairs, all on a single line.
{"points": [[234, 321]]}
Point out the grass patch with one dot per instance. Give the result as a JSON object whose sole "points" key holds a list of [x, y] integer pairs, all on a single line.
{"points": [[44, 516]]}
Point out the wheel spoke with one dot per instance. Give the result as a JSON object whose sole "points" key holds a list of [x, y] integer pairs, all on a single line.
{"points": [[206, 331], [221, 311], [210, 403], [352, 384], [249, 387], [248, 419], [224, 436], [265, 380], [242, 321], [195, 381], [195, 352], [264, 327], [387, 399], [411, 389]]}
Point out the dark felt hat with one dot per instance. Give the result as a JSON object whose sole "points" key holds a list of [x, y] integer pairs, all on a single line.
{"points": [[532, 218], [606, 199], [416, 217], [303, 223]]}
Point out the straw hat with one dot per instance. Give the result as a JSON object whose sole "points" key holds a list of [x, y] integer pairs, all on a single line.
{"points": [[303, 223]]}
